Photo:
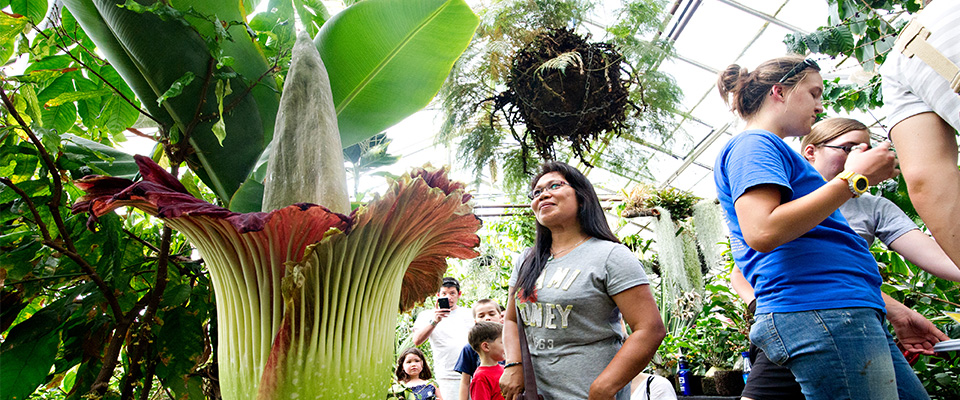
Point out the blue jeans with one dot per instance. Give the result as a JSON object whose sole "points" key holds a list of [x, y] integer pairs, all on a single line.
{"points": [[844, 353]]}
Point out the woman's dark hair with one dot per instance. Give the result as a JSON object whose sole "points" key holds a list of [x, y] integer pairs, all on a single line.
{"points": [[744, 91], [424, 372], [589, 215]]}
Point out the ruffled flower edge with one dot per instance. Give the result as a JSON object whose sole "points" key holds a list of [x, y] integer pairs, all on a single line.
{"points": [[162, 195]]}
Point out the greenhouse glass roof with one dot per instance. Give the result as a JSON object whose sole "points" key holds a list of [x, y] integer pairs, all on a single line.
{"points": [[709, 35]]}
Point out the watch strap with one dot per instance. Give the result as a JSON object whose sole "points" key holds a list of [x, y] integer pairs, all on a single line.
{"points": [[857, 183]]}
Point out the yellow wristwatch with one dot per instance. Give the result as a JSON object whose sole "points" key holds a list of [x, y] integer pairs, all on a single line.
{"points": [[857, 183]]}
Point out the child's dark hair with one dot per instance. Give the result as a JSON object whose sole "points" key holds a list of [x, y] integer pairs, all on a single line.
{"points": [[486, 301], [484, 331], [424, 372]]}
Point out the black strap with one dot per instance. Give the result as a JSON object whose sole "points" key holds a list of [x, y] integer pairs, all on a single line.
{"points": [[649, 381], [529, 379]]}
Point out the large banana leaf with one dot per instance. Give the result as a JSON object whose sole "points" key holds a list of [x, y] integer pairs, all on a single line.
{"points": [[388, 58], [151, 54]]}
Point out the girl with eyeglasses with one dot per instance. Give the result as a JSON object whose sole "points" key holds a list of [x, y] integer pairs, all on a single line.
{"points": [[871, 217], [819, 309], [573, 289]]}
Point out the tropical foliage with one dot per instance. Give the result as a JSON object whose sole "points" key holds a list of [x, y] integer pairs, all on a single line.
{"points": [[860, 31], [127, 309], [484, 140]]}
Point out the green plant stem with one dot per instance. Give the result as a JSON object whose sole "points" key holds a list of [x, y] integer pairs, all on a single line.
{"points": [[935, 298]]}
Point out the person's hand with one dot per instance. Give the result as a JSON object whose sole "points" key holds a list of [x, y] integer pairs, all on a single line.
{"points": [[915, 333], [439, 314], [511, 382], [877, 164]]}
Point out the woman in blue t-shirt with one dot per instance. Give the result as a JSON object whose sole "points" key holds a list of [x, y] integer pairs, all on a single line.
{"points": [[819, 310]]}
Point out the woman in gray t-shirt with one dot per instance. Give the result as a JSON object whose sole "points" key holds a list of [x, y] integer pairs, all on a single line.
{"points": [[572, 288]]}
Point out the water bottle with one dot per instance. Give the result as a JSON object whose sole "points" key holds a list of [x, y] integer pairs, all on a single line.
{"points": [[683, 376], [746, 364]]}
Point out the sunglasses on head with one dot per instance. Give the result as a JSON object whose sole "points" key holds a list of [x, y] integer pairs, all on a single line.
{"points": [[806, 63]]}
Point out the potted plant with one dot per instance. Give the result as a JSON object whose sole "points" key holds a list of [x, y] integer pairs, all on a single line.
{"points": [[719, 337]]}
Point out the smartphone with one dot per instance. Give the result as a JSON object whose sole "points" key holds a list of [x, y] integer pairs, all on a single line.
{"points": [[443, 302]]}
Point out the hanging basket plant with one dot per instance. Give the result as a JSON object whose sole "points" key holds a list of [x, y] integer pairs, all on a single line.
{"points": [[562, 87]]}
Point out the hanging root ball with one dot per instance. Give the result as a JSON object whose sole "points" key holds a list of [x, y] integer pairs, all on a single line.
{"points": [[563, 87]]}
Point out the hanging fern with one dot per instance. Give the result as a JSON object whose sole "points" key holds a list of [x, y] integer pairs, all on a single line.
{"points": [[561, 62]]}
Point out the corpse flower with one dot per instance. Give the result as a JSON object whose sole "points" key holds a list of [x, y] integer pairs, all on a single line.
{"points": [[307, 298]]}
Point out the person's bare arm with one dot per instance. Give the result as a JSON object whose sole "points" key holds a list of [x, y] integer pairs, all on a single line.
{"points": [[465, 386], [767, 224], [421, 334], [640, 311], [511, 381], [921, 250], [927, 148], [915, 333], [741, 286]]}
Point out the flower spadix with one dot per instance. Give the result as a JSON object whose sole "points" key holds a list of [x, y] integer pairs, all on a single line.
{"points": [[307, 298]]}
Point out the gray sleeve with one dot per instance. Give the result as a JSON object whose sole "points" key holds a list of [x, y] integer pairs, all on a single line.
{"points": [[624, 270], [891, 221], [515, 274]]}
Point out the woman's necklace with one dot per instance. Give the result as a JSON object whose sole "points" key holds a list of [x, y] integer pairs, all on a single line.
{"points": [[555, 254]]}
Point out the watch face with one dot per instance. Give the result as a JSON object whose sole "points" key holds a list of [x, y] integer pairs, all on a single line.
{"points": [[861, 185]]}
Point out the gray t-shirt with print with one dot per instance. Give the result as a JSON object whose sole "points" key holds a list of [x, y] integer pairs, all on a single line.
{"points": [[876, 217], [573, 329]]}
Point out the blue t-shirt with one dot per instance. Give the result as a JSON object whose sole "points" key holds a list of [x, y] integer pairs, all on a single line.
{"points": [[828, 267], [468, 362]]}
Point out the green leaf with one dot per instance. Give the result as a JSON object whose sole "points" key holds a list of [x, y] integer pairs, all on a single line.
{"points": [[843, 39], [220, 128], [33, 105], [28, 353], [151, 54], [34, 10], [180, 342], [189, 182], [10, 28], [312, 15], [249, 198], [105, 160], [71, 97], [60, 118], [391, 78], [117, 115], [176, 88]]}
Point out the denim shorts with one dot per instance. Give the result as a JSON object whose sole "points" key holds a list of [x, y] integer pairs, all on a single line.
{"points": [[843, 353]]}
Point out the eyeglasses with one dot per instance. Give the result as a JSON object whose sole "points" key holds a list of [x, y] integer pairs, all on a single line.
{"points": [[846, 148], [806, 63], [551, 187]]}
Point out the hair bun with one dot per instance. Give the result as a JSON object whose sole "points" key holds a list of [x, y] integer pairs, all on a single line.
{"points": [[732, 77]]}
